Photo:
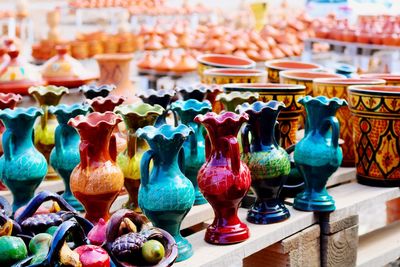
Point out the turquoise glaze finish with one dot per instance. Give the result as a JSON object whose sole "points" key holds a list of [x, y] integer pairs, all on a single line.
{"points": [[318, 155], [166, 195], [22, 166], [194, 146], [65, 155]]}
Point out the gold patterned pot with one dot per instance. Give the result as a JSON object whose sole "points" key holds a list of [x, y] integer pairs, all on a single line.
{"points": [[391, 79], [224, 76], [337, 87], [210, 61], [274, 67], [376, 126], [288, 94]]}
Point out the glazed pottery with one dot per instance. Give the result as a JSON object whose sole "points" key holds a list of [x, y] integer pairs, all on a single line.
{"points": [[318, 155], [135, 116], [274, 67], [93, 90], [22, 166], [213, 91], [193, 91], [224, 179], [97, 179], [391, 79], [115, 69], [165, 194], [65, 155], [288, 94], [348, 71], [376, 122], [224, 76], [337, 87], [269, 164], [194, 146], [232, 99], [45, 129], [162, 97]]}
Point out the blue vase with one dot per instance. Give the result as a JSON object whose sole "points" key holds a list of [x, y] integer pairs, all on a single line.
{"points": [[166, 195], [22, 166], [318, 155], [65, 155]]}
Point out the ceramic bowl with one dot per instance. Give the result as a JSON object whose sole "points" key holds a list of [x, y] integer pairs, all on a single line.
{"points": [[376, 124], [337, 87], [274, 67], [391, 79], [224, 76]]}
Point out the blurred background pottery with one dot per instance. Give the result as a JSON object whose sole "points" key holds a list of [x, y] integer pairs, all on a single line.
{"points": [[391, 79], [224, 76], [274, 67], [347, 70]]}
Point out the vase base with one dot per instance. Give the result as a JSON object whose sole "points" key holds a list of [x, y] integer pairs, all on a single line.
{"points": [[185, 250], [317, 202], [377, 182], [227, 234], [273, 214]]}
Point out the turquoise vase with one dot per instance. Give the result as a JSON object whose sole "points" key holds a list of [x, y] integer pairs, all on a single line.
{"points": [[22, 166], [318, 155], [65, 155], [166, 195], [194, 146]]}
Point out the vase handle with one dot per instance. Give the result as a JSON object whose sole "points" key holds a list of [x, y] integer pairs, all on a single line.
{"points": [[207, 143], [112, 147], [83, 152], [8, 145], [145, 165], [193, 139], [245, 139], [332, 122], [59, 141], [234, 154], [131, 144], [181, 159]]}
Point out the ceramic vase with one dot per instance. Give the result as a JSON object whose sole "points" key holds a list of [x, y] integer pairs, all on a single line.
{"points": [[224, 76], [269, 164], [91, 91], [165, 194], [232, 99], [224, 179], [135, 116], [44, 130], [274, 67], [162, 97], [390, 79], [318, 155], [97, 179], [65, 155], [22, 166], [194, 146]]}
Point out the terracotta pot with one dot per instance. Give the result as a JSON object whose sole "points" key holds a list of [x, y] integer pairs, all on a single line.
{"points": [[224, 76], [337, 87], [376, 125], [274, 67], [391, 79], [115, 69], [80, 50]]}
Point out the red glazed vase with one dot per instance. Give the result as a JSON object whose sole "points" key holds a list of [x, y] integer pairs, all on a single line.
{"points": [[224, 179]]}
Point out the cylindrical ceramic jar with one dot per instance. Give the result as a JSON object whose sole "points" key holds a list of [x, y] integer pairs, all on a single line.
{"points": [[391, 79], [376, 125], [224, 76], [337, 87], [274, 67]]}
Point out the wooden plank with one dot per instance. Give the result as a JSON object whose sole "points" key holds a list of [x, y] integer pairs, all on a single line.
{"points": [[380, 247], [342, 175]]}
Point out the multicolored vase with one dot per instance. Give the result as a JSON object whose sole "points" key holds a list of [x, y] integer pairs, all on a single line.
{"points": [[318, 155], [165, 194], [65, 155], [269, 164], [194, 146], [135, 116], [93, 90], [44, 130], [97, 180], [224, 179], [22, 166]]}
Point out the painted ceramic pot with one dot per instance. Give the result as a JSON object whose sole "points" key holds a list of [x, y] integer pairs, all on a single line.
{"points": [[288, 94], [318, 155], [337, 87], [97, 180], [224, 76], [166, 210], [376, 123], [274, 67], [65, 155], [232, 99], [209, 61], [194, 146], [391, 79], [224, 179], [162, 97], [269, 164], [93, 90], [22, 166], [135, 116], [44, 133]]}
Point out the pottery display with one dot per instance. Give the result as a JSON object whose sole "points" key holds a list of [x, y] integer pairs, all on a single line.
{"points": [[97, 180], [224, 76], [22, 166], [135, 116], [288, 94], [375, 123], [165, 194], [194, 146], [274, 67], [45, 129], [231, 100], [269, 164], [193, 91], [91, 91], [336, 87], [318, 155], [162, 97], [224, 179], [65, 155], [391, 79]]}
